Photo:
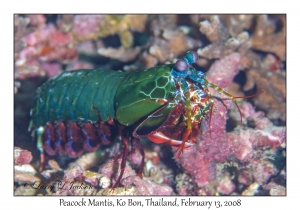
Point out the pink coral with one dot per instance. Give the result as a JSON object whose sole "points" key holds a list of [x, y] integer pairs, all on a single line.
{"points": [[145, 186], [43, 46], [78, 182], [48, 44], [86, 27], [263, 170], [74, 173], [48, 35], [80, 65], [245, 177], [22, 156], [108, 169], [37, 20], [223, 71], [226, 186], [52, 69]]}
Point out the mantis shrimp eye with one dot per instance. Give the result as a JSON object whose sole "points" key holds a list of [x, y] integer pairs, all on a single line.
{"points": [[181, 65], [191, 57]]}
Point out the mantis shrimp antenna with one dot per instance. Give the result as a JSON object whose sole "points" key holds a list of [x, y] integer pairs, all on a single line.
{"points": [[233, 98]]}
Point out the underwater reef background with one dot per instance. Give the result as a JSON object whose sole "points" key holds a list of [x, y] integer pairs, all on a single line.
{"points": [[242, 53]]}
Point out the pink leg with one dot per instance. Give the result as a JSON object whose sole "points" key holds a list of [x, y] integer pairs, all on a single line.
{"points": [[182, 145], [159, 138], [125, 142]]}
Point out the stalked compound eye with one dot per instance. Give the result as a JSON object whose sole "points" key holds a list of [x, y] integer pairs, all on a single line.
{"points": [[181, 65], [191, 57]]}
